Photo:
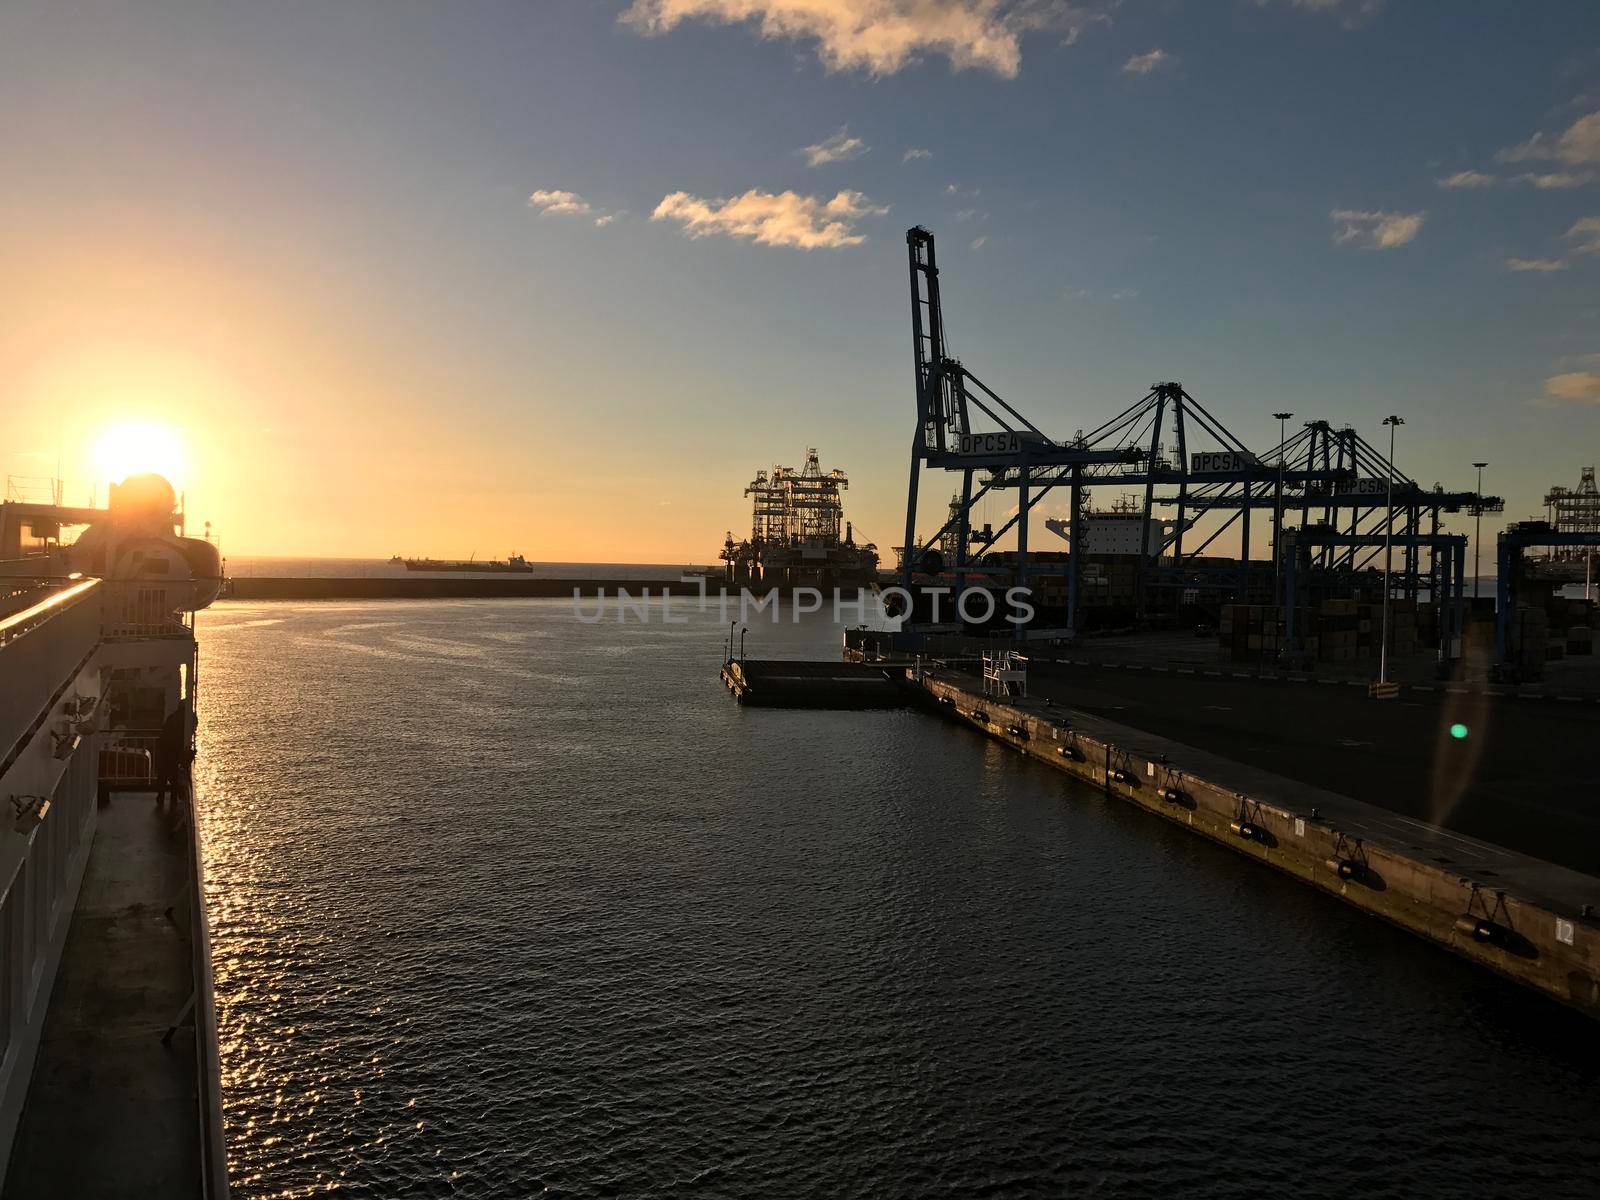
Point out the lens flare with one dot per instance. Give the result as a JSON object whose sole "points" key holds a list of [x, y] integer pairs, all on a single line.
{"points": [[134, 447]]}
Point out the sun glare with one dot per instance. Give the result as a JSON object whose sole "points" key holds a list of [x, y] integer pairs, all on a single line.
{"points": [[133, 447]]}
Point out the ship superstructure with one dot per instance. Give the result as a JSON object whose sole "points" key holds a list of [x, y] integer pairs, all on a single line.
{"points": [[1126, 529], [109, 1080], [1571, 511], [798, 535]]}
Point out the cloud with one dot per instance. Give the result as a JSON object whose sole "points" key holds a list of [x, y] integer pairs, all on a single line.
{"points": [[1559, 179], [882, 36], [1579, 143], [773, 219], [1115, 296], [570, 204], [1150, 63], [1351, 13], [1375, 230], [1586, 232], [1541, 265], [1576, 387], [560, 204], [1466, 179], [915, 153], [840, 147]]}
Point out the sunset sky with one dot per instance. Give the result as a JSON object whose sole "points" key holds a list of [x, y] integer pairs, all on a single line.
{"points": [[557, 276]]}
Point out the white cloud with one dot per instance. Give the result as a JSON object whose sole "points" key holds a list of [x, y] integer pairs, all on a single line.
{"points": [[914, 153], [882, 36], [1466, 179], [570, 204], [1586, 233], [1375, 230], [1576, 387], [773, 219], [1553, 180], [560, 204], [1150, 63], [1540, 265], [839, 147], [1579, 143]]}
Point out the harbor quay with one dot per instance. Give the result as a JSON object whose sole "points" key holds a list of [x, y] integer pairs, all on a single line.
{"points": [[1524, 918]]}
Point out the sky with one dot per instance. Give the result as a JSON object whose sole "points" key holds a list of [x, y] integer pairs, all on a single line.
{"points": [[558, 276]]}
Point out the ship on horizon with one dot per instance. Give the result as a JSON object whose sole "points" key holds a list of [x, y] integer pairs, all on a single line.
{"points": [[515, 564]]}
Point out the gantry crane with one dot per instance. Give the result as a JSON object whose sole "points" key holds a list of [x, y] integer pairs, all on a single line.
{"points": [[1332, 474]]}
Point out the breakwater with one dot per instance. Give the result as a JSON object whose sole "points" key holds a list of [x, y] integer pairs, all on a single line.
{"points": [[265, 587]]}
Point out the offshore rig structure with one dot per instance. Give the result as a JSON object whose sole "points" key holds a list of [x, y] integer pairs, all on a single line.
{"points": [[1344, 529], [1570, 511], [798, 534]]}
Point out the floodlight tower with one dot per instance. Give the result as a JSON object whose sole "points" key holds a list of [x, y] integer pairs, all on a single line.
{"points": [[1277, 512], [1393, 422], [1477, 536]]}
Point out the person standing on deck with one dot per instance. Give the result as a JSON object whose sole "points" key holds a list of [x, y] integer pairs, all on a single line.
{"points": [[174, 755]]}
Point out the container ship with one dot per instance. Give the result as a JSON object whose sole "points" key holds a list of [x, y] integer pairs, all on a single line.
{"points": [[798, 534], [515, 565]]}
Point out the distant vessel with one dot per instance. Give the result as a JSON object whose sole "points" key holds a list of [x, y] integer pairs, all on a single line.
{"points": [[796, 539], [516, 564]]}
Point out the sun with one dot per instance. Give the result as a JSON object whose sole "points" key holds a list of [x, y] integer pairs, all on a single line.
{"points": [[134, 447]]}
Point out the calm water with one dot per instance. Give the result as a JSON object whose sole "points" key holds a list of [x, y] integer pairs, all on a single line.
{"points": [[506, 905]]}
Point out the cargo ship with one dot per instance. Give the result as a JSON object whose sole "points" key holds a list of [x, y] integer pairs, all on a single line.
{"points": [[515, 565]]}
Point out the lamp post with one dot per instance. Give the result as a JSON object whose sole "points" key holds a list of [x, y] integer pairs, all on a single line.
{"points": [[1477, 536], [1393, 423], [1277, 515]]}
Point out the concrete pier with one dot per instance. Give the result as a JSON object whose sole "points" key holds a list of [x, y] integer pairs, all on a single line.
{"points": [[777, 683], [1528, 920]]}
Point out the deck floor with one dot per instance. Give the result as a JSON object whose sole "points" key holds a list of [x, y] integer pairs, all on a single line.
{"points": [[110, 1110]]}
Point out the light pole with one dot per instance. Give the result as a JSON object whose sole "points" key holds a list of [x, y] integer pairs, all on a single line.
{"points": [[1393, 423], [1277, 515], [1477, 536]]}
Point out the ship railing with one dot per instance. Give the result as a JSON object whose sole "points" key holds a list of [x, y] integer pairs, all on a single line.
{"points": [[208, 1061], [42, 649], [149, 608]]}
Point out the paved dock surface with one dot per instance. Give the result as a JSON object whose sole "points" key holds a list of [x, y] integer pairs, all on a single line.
{"points": [[1525, 775], [111, 1112]]}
